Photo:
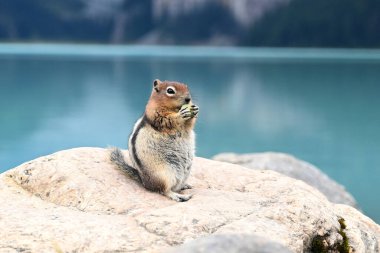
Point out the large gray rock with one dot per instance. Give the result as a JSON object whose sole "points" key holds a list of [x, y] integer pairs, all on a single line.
{"points": [[292, 167], [232, 244], [77, 201]]}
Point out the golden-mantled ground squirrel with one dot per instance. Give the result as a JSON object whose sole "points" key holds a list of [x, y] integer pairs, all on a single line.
{"points": [[162, 144]]}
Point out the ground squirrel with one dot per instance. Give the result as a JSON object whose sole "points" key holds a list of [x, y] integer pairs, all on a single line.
{"points": [[162, 143]]}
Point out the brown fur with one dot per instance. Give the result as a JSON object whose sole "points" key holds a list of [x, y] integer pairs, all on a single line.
{"points": [[162, 110], [162, 143], [154, 183]]}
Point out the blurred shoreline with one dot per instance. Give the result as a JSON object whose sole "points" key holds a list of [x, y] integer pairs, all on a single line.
{"points": [[269, 53]]}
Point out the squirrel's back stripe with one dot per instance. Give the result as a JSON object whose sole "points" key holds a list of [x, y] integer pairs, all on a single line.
{"points": [[140, 124]]}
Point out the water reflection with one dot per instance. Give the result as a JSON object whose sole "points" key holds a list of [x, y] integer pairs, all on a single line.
{"points": [[323, 112]]}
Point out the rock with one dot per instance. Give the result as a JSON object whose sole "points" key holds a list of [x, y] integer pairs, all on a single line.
{"points": [[231, 244], [292, 167], [77, 201]]}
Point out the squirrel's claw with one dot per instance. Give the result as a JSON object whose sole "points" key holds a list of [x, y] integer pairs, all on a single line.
{"points": [[186, 113]]}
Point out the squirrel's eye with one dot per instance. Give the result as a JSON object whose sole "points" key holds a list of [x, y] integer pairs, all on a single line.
{"points": [[170, 91]]}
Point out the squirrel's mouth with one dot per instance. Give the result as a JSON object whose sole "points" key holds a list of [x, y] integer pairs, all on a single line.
{"points": [[178, 108], [185, 101]]}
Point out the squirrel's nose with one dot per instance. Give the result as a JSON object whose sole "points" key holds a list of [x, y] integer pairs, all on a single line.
{"points": [[187, 100]]}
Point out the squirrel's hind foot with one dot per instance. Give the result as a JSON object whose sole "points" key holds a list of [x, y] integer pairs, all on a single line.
{"points": [[178, 197], [186, 186]]}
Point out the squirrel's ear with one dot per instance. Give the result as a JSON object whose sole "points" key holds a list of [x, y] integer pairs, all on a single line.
{"points": [[156, 82]]}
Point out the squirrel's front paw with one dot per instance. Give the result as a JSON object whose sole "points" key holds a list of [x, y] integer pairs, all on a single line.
{"points": [[194, 110], [188, 111], [185, 112]]}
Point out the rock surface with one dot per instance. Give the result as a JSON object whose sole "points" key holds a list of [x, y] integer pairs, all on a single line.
{"points": [[292, 167], [231, 244], [77, 201]]}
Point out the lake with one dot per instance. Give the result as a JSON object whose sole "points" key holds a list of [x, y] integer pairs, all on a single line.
{"points": [[321, 106]]}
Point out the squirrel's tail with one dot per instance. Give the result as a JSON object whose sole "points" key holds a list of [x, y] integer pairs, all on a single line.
{"points": [[117, 158]]}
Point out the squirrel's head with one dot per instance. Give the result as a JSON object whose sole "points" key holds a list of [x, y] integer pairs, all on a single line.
{"points": [[169, 95]]}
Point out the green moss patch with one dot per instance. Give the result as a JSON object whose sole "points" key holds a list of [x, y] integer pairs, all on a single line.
{"points": [[344, 247], [320, 245]]}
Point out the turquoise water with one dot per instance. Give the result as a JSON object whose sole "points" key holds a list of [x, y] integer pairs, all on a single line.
{"points": [[319, 105]]}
